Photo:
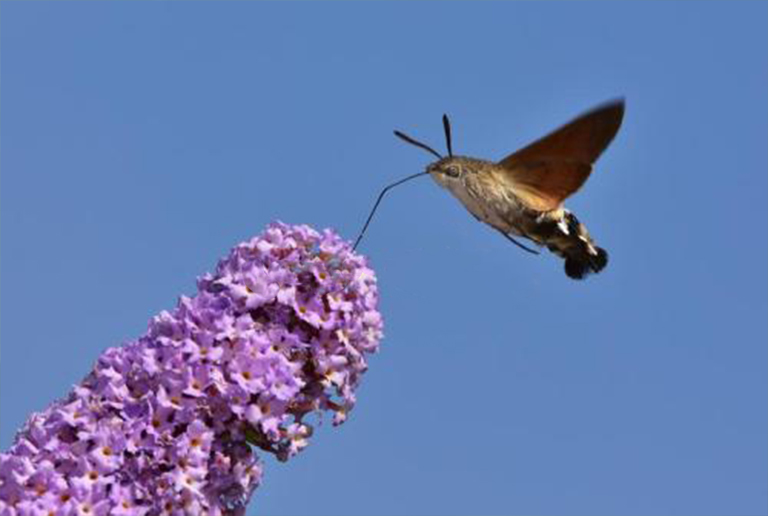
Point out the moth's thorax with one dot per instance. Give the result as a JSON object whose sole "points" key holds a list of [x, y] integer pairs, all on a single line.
{"points": [[480, 187]]}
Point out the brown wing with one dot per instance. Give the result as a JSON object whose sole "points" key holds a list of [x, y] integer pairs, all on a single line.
{"points": [[549, 170]]}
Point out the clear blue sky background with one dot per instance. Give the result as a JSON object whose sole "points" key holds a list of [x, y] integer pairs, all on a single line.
{"points": [[140, 141]]}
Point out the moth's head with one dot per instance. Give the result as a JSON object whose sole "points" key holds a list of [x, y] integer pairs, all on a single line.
{"points": [[447, 170]]}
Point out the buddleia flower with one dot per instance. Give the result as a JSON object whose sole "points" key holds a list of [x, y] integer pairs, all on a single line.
{"points": [[175, 421]]}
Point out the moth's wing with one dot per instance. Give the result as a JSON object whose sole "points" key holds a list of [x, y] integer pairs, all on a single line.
{"points": [[581, 140], [551, 169]]}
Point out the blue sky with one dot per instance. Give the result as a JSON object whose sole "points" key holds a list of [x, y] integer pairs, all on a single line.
{"points": [[140, 141]]}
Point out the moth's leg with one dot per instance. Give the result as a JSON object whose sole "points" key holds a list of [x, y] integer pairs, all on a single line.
{"points": [[518, 244]]}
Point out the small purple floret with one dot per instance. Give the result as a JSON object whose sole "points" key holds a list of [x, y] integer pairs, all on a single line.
{"points": [[169, 423]]}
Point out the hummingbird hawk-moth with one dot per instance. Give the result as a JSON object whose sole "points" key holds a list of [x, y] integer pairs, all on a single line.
{"points": [[523, 194]]}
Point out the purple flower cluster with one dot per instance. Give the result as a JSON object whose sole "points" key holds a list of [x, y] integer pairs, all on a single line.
{"points": [[168, 423]]}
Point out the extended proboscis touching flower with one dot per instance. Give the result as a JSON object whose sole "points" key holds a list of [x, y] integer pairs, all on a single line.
{"points": [[170, 423]]}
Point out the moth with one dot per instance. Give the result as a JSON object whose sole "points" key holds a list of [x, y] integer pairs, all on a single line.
{"points": [[523, 195]]}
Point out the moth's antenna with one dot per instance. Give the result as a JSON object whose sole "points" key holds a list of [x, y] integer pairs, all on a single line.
{"points": [[418, 144], [447, 127], [385, 190]]}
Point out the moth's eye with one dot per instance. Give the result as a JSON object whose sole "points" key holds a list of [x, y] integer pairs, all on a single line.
{"points": [[453, 171]]}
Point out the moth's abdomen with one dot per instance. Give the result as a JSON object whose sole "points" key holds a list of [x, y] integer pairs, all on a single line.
{"points": [[579, 265], [568, 238]]}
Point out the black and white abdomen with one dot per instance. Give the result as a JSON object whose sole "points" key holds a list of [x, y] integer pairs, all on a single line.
{"points": [[568, 238]]}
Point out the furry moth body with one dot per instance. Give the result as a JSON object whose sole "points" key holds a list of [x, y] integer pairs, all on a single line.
{"points": [[523, 194]]}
